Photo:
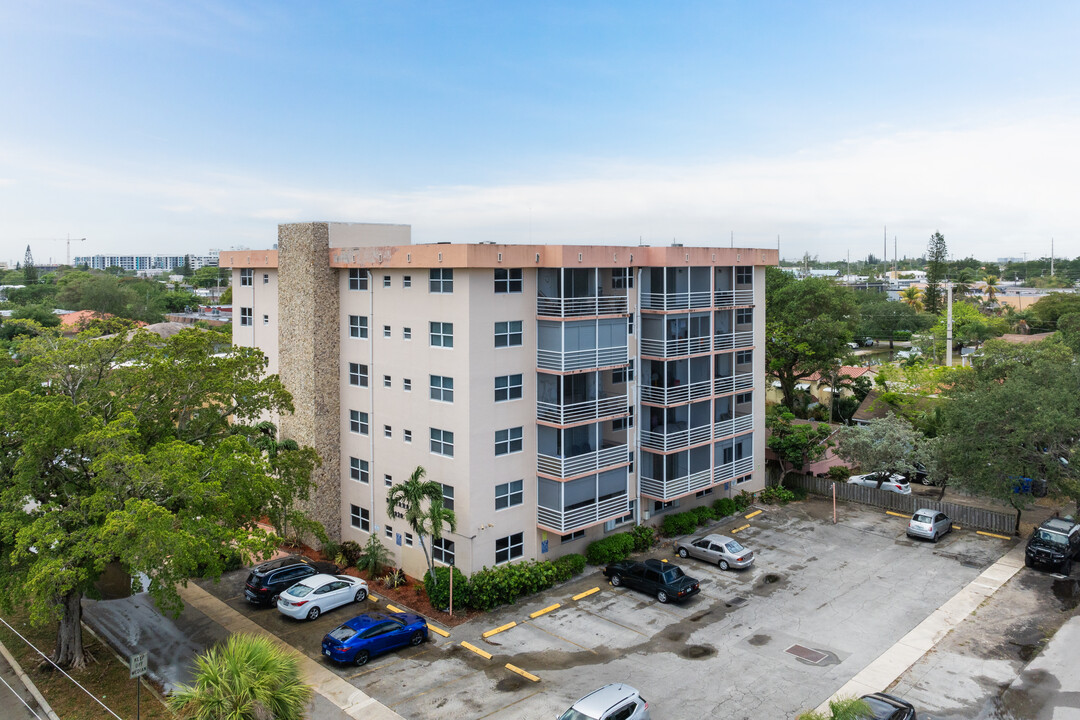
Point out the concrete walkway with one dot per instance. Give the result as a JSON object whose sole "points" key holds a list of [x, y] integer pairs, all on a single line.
{"points": [[352, 701], [891, 664]]}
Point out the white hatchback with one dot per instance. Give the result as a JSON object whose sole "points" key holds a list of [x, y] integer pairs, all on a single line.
{"points": [[313, 596], [893, 483]]}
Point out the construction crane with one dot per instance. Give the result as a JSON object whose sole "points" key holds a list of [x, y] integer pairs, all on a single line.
{"points": [[69, 240]]}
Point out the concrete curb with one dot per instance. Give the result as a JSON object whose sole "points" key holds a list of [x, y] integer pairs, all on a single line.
{"points": [[894, 662], [25, 680]]}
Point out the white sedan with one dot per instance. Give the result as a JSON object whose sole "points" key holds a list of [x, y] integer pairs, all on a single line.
{"points": [[893, 483], [313, 596]]}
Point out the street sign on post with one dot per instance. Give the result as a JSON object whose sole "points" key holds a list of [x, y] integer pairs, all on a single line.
{"points": [[137, 665]]}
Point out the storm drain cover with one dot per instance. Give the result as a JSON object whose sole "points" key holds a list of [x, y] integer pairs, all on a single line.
{"points": [[807, 654], [736, 601]]}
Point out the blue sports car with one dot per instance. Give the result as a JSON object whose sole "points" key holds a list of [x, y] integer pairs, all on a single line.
{"points": [[372, 633]]}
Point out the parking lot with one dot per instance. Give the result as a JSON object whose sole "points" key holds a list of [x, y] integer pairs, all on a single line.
{"points": [[838, 595]]}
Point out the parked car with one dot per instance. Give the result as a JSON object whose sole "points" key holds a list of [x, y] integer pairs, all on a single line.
{"points": [[611, 702], [867, 341], [719, 549], [889, 707], [664, 580], [372, 633], [894, 483], [1054, 544], [266, 582], [929, 524], [313, 596]]}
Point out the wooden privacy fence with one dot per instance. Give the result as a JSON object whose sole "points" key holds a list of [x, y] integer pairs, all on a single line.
{"points": [[963, 515]]}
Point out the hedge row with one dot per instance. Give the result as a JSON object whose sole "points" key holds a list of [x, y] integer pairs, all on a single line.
{"points": [[618, 547], [500, 585], [687, 522]]}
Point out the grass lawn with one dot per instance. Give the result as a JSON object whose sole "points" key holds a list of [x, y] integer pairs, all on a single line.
{"points": [[105, 676]]}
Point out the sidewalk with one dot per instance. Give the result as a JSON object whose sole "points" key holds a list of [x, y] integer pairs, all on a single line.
{"points": [[18, 696]]}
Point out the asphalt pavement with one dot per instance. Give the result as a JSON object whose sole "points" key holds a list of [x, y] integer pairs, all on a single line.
{"points": [[16, 702]]}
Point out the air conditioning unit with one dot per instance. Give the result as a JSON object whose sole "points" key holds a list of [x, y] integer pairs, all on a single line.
{"points": [[645, 515]]}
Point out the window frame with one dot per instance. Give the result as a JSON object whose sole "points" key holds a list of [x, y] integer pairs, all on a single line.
{"points": [[359, 518], [438, 445], [360, 470], [441, 280], [247, 317], [247, 277], [358, 327], [508, 496], [438, 390], [508, 334], [512, 441], [359, 373], [358, 279], [505, 285], [359, 422], [438, 330], [510, 387], [513, 548]]}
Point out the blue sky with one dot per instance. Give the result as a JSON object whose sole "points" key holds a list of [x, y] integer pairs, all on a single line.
{"points": [[179, 127]]}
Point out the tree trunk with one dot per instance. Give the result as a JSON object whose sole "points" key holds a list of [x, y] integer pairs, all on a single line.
{"points": [[430, 563], [941, 496], [69, 646], [890, 342]]}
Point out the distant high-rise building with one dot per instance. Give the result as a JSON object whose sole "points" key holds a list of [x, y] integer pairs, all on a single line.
{"points": [[146, 262]]}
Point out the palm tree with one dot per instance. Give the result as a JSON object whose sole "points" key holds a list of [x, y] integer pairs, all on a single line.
{"points": [[841, 709], [250, 677], [912, 296], [962, 285], [424, 521], [992, 286]]}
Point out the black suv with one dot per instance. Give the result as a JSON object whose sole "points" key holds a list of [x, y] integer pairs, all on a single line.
{"points": [[267, 581], [664, 580], [1055, 544]]}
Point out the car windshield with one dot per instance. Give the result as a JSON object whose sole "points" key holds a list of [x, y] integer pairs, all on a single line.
{"points": [[923, 518], [299, 590], [672, 574], [573, 714], [881, 710], [1051, 537], [734, 547], [342, 633]]}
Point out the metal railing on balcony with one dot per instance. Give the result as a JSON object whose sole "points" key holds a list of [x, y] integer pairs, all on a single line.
{"points": [[564, 467], [582, 306], [727, 298], [744, 338], [674, 487], [676, 301], [676, 348], [581, 359], [677, 439], [733, 382], [582, 411], [676, 393], [731, 426], [567, 521], [743, 467]]}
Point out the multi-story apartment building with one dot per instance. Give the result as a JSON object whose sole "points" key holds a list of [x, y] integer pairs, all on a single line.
{"points": [[556, 392], [146, 262]]}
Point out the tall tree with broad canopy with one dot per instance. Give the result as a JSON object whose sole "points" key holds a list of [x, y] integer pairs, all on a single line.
{"points": [[937, 254], [795, 444], [808, 325], [1015, 414], [421, 502], [134, 448], [887, 445], [881, 317]]}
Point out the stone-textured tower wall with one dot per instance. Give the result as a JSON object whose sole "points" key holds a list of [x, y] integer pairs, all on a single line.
{"points": [[308, 342]]}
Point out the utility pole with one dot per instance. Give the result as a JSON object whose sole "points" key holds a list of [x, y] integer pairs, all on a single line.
{"points": [[1051, 257], [948, 325]]}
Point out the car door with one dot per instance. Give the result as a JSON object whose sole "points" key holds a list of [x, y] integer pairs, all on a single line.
{"points": [[397, 636], [941, 523], [652, 581], [718, 552], [635, 576], [322, 597], [288, 577], [340, 593], [702, 550], [382, 636]]}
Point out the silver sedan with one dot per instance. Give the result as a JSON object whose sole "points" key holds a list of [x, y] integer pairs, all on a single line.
{"points": [[929, 524], [719, 549]]}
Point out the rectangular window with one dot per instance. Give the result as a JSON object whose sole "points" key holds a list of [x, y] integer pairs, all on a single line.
{"points": [[507, 387], [448, 497], [628, 517], [508, 441], [386, 381], [358, 470], [442, 388], [744, 479], [386, 331], [508, 334], [744, 316], [246, 317], [743, 398], [389, 532], [266, 319], [442, 550], [744, 275], [406, 333], [386, 281], [358, 326], [407, 434], [358, 422], [247, 277], [360, 518], [576, 535], [622, 375], [387, 431], [509, 494], [442, 442], [630, 325], [509, 548], [358, 279], [744, 356], [406, 281], [358, 375], [442, 334], [659, 505], [622, 278], [387, 481], [625, 422], [408, 539], [406, 384], [508, 280], [441, 280]]}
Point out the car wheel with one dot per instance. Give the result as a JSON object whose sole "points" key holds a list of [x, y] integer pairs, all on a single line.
{"points": [[662, 596], [926, 481], [274, 599], [616, 580], [417, 638], [1028, 562], [1066, 569], [724, 565], [934, 538], [313, 613], [683, 554], [361, 595], [362, 656]]}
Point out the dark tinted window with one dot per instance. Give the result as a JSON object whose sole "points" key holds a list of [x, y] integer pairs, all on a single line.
{"points": [[673, 574], [881, 709]]}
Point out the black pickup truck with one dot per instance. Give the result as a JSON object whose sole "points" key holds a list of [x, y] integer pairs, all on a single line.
{"points": [[1054, 544], [664, 580]]}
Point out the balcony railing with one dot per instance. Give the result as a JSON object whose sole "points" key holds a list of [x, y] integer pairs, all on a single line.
{"points": [[581, 359], [676, 394], [725, 428], [676, 440], [673, 488], [729, 471], [564, 467], [695, 345], [727, 298], [733, 382], [581, 306], [582, 411], [567, 521], [676, 301]]}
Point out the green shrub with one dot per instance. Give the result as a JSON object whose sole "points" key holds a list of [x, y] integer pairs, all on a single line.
{"points": [[679, 524], [568, 566], [394, 579], [643, 537], [610, 549], [439, 592], [504, 584], [724, 507], [330, 550], [351, 551], [777, 494], [799, 493], [743, 500], [901, 335], [839, 473], [704, 514]]}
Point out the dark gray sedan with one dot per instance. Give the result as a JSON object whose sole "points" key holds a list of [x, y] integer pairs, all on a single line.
{"points": [[718, 549], [929, 524]]}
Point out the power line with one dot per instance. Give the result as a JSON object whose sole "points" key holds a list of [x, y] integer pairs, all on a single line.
{"points": [[16, 694], [49, 659]]}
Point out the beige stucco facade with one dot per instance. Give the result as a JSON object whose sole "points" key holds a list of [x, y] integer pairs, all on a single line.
{"points": [[583, 322]]}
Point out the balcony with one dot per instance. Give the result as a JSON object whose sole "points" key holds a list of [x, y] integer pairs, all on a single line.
{"points": [[581, 359], [677, 394], [677, 300], [732, 426], [670, 489], [676, 348], [565, 467], [730, 471], [676, 439], [724, 385], [582, 411], [567, 521], [728, 298], [581, 306]]}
